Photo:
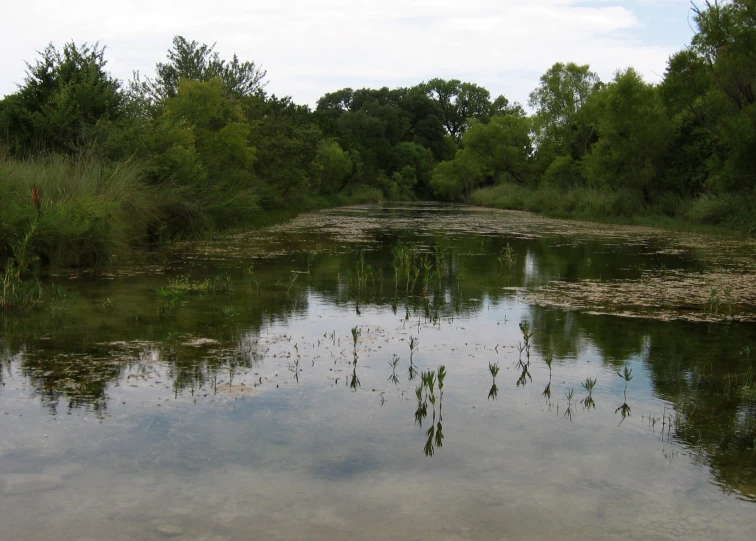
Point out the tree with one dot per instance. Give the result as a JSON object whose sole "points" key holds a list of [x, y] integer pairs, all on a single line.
{"points": [[561, 124], [634, 130], [456, 179], [335, 167], [200, 62], [218, 124], [492, 153], [714, 84], [64, 95], [287, 142], [459, 103]]}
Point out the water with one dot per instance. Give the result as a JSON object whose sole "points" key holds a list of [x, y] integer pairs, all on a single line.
{"points": [[243, 415]]}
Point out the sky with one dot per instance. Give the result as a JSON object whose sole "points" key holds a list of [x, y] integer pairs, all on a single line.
{"points": [[311, 47]]}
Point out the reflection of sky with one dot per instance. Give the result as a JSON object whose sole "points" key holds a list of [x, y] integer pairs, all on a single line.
{"points": [[314, 459]]}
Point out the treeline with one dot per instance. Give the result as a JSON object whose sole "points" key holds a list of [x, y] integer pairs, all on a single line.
{"points": [[682, 149], [90, 165]]}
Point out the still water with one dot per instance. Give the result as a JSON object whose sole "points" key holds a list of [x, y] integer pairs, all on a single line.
{"points": [[288, 384]]}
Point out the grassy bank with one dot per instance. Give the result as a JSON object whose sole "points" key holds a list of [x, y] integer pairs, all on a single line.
{"points": [[87, 211], [705, 213]]}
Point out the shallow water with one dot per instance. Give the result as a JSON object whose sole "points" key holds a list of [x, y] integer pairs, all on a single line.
{"points": [[244, 414]]}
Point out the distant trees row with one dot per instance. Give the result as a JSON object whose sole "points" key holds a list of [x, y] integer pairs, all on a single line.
{"points": [[208, 126]]}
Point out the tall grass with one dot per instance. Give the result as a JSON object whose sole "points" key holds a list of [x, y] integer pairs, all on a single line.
{"points": [[89, 211]]}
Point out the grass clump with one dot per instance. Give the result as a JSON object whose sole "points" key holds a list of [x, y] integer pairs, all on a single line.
{"points": [[67, 211]]}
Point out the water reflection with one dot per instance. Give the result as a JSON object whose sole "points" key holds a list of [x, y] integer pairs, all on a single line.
{"points": [[122, 334]]}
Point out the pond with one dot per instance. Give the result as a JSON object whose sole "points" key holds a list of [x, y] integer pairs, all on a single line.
{"points": [[390, 372]]}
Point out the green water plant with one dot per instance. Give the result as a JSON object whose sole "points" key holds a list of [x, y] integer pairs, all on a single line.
{"points": [[507, 257], [169, 301], [222, 283], [524, 374], [547, 391], [548, 359], [356, 333], [413, 342], [588, 402], [627, 375], [569, 395], [714, 300], [61, 300], [393, 378], [292, 280], [493, 393], [184, 283], [252, 278], [527, 335], [729, 299], [17, 293], [494, 369], [354, 381]]}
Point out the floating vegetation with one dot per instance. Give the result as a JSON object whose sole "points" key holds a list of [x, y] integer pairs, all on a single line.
{"points": [[184, 283], [667, 295]]}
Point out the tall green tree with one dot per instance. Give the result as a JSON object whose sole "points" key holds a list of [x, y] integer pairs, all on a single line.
{"points": [[64, 95], [714, 83], [563, 125], [634, 131], [459, 103], [287, 143], [200, 62], [492, 153]]}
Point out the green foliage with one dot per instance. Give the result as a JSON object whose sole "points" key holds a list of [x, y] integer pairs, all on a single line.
{"points": [[64, 95], [169, 301], [564, 124], [634, 129], [335, 167], [461, 102], [190, 60], [564, 172], [492, 153]]}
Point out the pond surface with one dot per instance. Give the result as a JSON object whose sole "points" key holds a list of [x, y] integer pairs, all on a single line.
{"points": [[236, 404]]}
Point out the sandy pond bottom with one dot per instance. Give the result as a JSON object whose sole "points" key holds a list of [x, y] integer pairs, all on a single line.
{"points": [[246, 417]]}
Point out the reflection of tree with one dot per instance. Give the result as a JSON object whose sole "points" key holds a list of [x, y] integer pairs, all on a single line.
{"points": [[77, 362], [714, 416], [81, 380], [698, 368], [694, 367]]}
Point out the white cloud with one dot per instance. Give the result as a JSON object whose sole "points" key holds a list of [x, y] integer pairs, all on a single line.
{"points": [[313, 47]]}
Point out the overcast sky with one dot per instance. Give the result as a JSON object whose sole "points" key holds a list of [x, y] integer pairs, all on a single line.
{"points": [[312, 47]]}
